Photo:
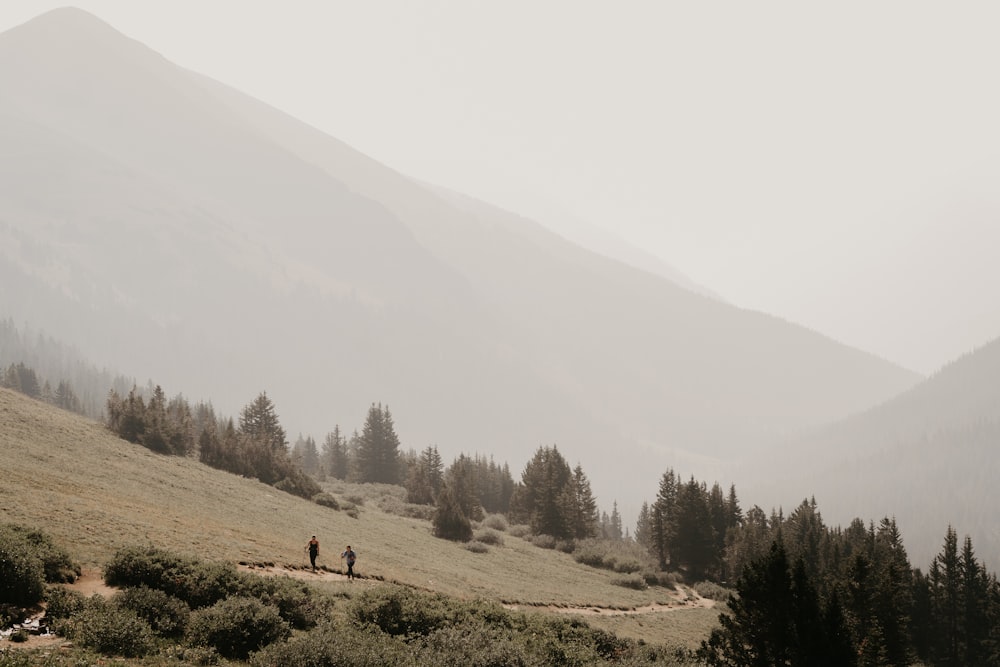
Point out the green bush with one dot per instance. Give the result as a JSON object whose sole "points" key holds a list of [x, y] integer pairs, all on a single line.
{"points": [[520, 530], [332, 645], [401, 611], [326, 500], [489, 536], [197, 583], [165, 614], [544, 541], [664, 579], [237, 626], [630, 581], [22, 574], [62, 603], [296, 601], [473, 643], [712, 591], [392, 505], [110, 630], [56, 562], [495, 521]]}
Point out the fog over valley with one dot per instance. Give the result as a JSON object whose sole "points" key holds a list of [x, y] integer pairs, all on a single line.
{"points": [[758, 249]]}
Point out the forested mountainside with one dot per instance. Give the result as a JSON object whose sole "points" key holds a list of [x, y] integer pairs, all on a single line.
{"points": [[175, 229], [928, 457]]}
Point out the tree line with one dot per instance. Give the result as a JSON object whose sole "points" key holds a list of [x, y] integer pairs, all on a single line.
{"points": [[806, 593]]}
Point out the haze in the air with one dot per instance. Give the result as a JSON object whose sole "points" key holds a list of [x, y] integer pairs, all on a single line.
{"points": [[832, 164]]}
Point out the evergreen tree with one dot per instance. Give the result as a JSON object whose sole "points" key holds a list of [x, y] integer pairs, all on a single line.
{"points": [[306, 455], [335, 459], [449, 521], [644, 527], [946, 605], [425, 477], [663, 522], [775, 619], [583, 510], [259, 421], [694, 540], [615, 523], [461, 480], [545, 493], [65, 398], [378, 449]]}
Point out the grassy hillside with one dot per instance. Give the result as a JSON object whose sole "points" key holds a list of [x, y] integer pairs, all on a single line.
{"points": [[94, 493]]}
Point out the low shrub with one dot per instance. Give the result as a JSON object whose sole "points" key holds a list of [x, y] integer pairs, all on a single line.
{"points": [[62, 603], [111, 630], [56, 563], [165, 614], [19, 636], [190, 655], [22, 574], [477, 547], [296, 601], [663, 579], [326, 500], [237, 626], [496, 522], [630, 581], [400, 611], [197, 583], [543, 541], [712, 591], [489, 536], [519, 530], [331, 645], [472, 643], [393, 505]]}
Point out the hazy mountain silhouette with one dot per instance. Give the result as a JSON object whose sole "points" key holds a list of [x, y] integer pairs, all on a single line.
{"points": [[177, 229], [927, 456]]}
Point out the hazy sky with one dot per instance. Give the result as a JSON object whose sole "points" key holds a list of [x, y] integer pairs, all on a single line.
{"points": [[836, 164]]}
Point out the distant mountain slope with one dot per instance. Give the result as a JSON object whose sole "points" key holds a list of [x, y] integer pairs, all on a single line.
{"points": [[179, 230], [928, 456]]}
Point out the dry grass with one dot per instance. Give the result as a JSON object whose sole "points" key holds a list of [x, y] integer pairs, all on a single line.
{"points": [[95, 493]]}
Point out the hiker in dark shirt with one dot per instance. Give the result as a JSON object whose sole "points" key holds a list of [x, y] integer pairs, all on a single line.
{"points": [[313, 547], [350, 557]]}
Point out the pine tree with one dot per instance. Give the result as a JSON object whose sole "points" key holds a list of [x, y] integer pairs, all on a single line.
{"points": [[663, 517], [334, 460], [461, 480], [259, 421], [423, 483], [545, 493], [615, 524], [306, 455], [584, 506], [449, 521], [644, 527], [694, 539], [946, 585], [378, 448]]}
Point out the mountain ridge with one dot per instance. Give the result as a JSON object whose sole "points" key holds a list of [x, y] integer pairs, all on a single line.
{"points": [[225, 248]]}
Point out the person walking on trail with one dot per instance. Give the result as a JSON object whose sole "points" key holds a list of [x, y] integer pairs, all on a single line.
{"points": [[350, 557], [313, 547]]}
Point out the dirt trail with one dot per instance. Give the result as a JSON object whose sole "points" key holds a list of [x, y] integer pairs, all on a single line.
{"points": [[302, 574], [684, 599]]}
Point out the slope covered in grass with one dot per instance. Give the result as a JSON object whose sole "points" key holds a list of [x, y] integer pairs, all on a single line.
{"points": [[95, 493]]}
